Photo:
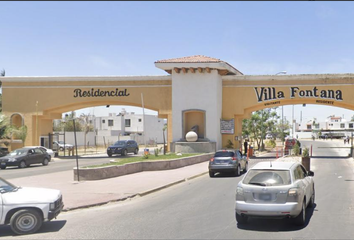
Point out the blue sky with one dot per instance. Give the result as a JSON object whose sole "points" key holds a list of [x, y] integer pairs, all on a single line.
{"points": [[126, 38]]}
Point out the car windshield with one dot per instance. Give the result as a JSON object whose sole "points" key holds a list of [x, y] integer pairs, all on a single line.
{"points": [[61, 142], [5, 186], [263, 177], [224, 154], [18, 152], [119, 143]]}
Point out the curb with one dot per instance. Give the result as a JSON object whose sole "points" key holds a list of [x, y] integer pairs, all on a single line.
{"points": [[135, 195]]}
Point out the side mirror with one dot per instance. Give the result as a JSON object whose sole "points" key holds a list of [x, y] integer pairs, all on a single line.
{"points": [[310, 173]]}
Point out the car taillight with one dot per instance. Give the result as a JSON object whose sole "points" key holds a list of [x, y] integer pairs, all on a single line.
{"points": [[211, 159], [293, 195], [234, 159]]}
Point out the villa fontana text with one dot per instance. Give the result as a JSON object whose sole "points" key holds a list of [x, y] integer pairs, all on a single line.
{"points": [[270, 93]]}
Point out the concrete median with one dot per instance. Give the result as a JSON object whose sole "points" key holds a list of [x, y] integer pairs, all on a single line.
{"points": [[121, 170]]}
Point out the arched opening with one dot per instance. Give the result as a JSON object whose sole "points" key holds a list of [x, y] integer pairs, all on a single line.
{"points": [[110, 123], [16, 120], [194, 119]]}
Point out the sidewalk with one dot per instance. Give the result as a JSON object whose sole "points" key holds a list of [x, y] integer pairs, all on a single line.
{"points": [[93, 193]]}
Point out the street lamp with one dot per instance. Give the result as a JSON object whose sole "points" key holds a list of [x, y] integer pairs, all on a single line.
{"points": [[77, 158]]}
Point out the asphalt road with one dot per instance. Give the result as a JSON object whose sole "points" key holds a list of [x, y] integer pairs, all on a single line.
{"points": [[203, 208]]}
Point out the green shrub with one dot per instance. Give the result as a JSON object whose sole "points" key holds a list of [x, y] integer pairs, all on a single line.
{"points": [[296, 150], [229, 144], [305, 152], [156, 152], [270, 143]]}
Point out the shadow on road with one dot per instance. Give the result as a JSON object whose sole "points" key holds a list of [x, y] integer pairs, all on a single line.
{"points": [[52, 226], [275, 225]]}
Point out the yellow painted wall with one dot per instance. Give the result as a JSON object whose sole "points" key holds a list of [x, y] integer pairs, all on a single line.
{"points": [[55, 95]]}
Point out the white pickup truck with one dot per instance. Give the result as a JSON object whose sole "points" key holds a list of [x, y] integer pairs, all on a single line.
{"points": [[26, 208]]}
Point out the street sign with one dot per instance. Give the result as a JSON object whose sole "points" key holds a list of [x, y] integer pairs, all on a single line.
{"points": [[227, 126]]}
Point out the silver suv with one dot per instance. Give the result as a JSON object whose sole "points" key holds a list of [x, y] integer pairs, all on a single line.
{"points": [[228, 161], [275, 190]]}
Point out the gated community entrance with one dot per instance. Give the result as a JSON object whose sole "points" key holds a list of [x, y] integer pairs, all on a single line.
{"points": [[199, 92]]}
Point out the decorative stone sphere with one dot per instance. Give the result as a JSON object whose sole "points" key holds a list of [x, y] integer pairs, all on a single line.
{"points": [[191, 136]]}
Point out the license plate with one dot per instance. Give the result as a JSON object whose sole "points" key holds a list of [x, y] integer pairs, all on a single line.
{"points": [[265, 197]]}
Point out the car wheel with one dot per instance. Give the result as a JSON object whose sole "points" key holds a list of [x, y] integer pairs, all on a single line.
{"points": [[136, 151], [301, 218], [3, 167], [312, 200], [246, 168], [45, 162], [238, 171], [241, 219], [22, 164], [125, 152], [26, 221], [61, 148], [211, 174], [109, 155]]}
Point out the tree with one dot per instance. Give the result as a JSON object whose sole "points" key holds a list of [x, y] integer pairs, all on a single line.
{"points": [[5, 130], [86, 126], [260, 122], [20, 133], [68, 124]]}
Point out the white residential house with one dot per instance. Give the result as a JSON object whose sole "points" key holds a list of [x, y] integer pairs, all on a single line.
{"points": [[121, 126], [127, 125], [331, 124]]}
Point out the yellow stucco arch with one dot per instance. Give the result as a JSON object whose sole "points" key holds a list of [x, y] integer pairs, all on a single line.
{"points": [[198, 90]]}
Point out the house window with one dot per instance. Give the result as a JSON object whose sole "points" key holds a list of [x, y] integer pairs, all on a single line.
{"points": [[103, 121], [127, 122], [350, 125], [309, 127], [110, 123], [342, 125], [139, 120]]}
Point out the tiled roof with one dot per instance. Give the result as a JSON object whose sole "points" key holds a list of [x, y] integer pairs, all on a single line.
{"points": [[196, 59], [191, 59]]}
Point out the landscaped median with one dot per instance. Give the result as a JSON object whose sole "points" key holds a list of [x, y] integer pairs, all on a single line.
{"points": [[116, 169]]}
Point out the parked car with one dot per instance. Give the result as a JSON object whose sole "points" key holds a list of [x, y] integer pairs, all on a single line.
{"points": [[228, 161], [24, 157], [275, 190], [3, 151], [123, 147], [60, 145], [25, 208], [49, 151]]}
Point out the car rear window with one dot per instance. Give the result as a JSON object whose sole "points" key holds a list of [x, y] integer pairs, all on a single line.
{"points": [[224, 154], [263, 177], [119, 143]]}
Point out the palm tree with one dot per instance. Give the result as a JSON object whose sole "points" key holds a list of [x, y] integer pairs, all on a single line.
{"points": [[20, 133]]}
